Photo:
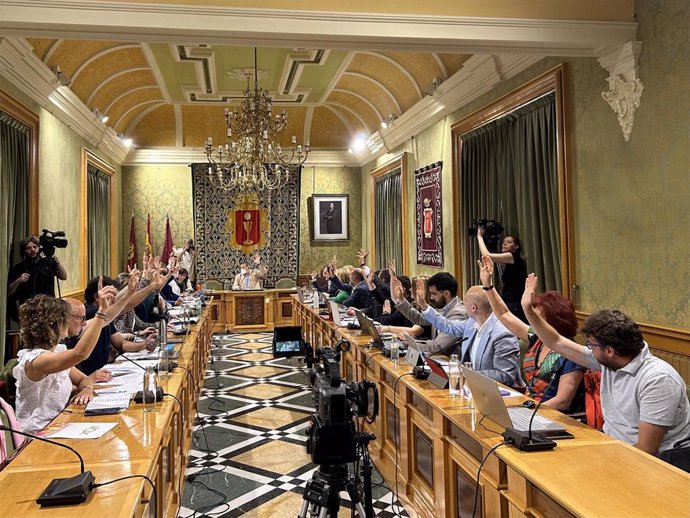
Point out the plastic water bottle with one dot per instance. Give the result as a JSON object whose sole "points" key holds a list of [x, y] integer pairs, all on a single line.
{"points": [[395, 350], [454, 387], [466, 388], [150, 389]]}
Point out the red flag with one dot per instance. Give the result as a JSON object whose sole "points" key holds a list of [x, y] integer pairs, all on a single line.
{"points": [[168, 243], [148, 248], [132, 252]]}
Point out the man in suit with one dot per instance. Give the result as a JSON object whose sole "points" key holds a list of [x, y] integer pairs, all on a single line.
{"points": [[488, 345], [359, 298], [250, 279], [443, 291]]}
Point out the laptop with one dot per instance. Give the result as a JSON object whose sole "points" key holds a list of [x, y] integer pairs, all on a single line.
{"points": [[340, 317], [491, 404], [369, 328]]}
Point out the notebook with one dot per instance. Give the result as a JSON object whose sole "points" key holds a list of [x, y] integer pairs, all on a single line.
{"points": [[491, 404]]}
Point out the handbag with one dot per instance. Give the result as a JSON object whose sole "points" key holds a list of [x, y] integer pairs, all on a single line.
{"points": [[678, 455]]}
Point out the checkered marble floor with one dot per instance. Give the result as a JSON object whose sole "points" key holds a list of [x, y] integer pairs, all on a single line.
{"points": [[249, 457]]}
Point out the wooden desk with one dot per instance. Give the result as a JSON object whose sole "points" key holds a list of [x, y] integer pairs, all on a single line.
{"points": [[155, 444], [441, 442], [263, 310]]}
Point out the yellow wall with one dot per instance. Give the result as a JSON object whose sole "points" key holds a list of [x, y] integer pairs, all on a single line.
{"points": [[161, 190], [59, 179], [631, 217]]}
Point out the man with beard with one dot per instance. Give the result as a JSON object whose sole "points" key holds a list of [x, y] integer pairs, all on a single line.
{"points": [[643, 398], [32, 276], [443, 291], [491, 349]]}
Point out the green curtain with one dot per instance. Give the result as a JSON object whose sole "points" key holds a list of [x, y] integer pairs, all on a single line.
{"points": [[98, 196], [388, 219], [509, 173], [14, 177]]}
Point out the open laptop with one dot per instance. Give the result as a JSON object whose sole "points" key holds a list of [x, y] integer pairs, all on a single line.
{"points": [[490, 403], [339, 315], [369, 328]]}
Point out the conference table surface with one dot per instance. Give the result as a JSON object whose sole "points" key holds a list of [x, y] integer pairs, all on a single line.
{"points": [[590, 475]]}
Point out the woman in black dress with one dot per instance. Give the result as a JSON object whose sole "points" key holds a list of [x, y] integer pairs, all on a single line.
{"points": [[513, 270]]}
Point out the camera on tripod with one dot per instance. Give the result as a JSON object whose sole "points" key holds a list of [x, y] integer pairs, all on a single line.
{"points": [[492, 232], [50, 240], [332, 437]]}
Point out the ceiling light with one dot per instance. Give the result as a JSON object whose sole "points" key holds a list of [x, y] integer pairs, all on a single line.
{"points": [[358, 144], [100, 116], [252, 159], [126, 141], [62, 77], [434, 85]]}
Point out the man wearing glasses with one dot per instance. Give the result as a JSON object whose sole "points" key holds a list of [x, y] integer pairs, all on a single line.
{"points": [[643, 398], [75, 327]]}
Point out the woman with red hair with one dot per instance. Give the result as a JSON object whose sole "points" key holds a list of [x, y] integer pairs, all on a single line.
{"points": [[549, 376]]}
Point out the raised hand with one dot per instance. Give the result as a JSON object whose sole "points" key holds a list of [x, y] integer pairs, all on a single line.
{"points": [[387, 307], [362, 255], [313, 276], [256, 259], [420, 293], [530, 291], [133, 283], [370, 279], [397, 289], [486, 270], [106, 295], [392, 267]]}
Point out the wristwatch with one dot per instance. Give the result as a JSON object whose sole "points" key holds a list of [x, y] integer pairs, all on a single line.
{"points": [[488, 288]]}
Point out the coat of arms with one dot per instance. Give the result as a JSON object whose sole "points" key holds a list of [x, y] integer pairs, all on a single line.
{"points": [[248, 223]]}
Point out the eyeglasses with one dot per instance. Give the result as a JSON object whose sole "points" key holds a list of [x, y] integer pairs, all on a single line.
{"points": [[591, 345], [81, 319]]}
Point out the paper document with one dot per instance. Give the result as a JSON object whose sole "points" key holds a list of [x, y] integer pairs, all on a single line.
{"points": [[81, 431], [109, 400], [135, 378]]}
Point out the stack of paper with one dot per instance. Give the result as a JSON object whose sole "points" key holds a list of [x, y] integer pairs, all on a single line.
{"points": [[111, 400]]}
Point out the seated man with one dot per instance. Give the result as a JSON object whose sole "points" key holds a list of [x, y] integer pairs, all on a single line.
{"points": [[443, 290], [250, 279], [487, 344], [359, 298], [643, 398]]}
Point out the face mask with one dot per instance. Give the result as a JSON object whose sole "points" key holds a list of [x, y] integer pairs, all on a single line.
{"points": [[243, 271]]}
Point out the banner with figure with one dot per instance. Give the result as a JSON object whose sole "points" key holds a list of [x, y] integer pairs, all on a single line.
{"points": [[429, 232], [248, 223]]}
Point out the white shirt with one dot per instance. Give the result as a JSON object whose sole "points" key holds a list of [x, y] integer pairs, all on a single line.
{"points": [[39, 402], [475, 342]]}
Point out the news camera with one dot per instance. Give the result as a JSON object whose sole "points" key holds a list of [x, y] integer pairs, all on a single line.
{"points": [[492, 231], [332, 437], [50, 240]]}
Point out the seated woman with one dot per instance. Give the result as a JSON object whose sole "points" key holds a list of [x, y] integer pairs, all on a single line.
{"points": [[566, 391], [342, 281], [46, 369], [178, 285]]}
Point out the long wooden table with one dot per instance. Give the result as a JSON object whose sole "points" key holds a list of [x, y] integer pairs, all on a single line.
{"points": [[441, 443], [155, 444]]}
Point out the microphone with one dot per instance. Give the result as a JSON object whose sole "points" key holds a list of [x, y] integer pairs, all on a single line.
{"points": [[62, 491], [171, 365], [449, 347], [418, 371], [526, 441]]}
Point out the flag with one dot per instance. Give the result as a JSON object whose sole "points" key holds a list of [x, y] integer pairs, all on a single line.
{"points": [[168, 243], [132, 252], [148, 249]]}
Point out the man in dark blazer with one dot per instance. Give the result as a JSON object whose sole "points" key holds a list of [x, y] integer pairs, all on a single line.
{"points": [[359, 298], [488, 345]]}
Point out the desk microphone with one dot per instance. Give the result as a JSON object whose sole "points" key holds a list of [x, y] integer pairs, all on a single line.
{"points": [[449, 347], [62, 491], [418, 370], [526, 441], [171, 365]]}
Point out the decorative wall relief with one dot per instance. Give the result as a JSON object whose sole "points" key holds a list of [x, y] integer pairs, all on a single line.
{"points": [[429, 230], [231, 226], [625, 88]]}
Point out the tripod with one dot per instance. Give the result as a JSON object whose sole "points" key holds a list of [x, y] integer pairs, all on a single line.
{"points": [[322, 493]]}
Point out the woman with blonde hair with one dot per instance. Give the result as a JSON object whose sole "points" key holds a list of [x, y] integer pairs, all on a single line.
{"points": [[47, 370]]}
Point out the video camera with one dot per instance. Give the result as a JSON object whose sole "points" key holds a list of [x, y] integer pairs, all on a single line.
{"points": [[50, 240], [492, 231], [332, 437]]}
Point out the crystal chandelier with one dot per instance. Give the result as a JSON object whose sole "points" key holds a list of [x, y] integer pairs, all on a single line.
{"points": [[252, 159]]}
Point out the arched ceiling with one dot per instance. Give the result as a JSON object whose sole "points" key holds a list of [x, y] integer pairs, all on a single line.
{"points": [[170, 95]]}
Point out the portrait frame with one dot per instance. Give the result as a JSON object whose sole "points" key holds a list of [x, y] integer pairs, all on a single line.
{"points": [[330, 217]]}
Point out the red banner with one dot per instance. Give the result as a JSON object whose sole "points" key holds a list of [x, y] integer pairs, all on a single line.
{"points": [[167, 244], [247, 226], [132, 252], [148, 248]]}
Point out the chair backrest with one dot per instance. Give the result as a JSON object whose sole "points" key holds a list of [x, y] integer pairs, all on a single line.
{"points": [[595, 417], [9, 441], [212, 284], [10, 383], [285, 283]]}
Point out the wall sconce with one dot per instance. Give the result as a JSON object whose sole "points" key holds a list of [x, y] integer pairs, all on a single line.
{"points": [[126, 141], [385, 123], [100, 116], [434, 85], [62, 77]]}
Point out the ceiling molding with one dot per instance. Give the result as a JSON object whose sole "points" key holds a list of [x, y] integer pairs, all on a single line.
{"points": [[100, 54], [361, 98], [151, 60], [336, 77], [51, 50], [280, 27], [110, 78], [377, 83], [137, 118], [186, 156], [125, 93], [399, 66], [136, 106], [350, 111], [21, 67]]}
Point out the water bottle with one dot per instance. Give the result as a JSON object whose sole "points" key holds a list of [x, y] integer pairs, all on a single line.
{"points": [[395, 350], [454, 387], [466, 388], [150, 389], [163, 360]]}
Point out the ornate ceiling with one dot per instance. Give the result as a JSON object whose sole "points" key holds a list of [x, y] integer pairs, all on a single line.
{"points": [[173, 95]]}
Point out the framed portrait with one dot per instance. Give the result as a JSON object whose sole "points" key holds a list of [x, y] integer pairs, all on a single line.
{"points": [[330, 217]]}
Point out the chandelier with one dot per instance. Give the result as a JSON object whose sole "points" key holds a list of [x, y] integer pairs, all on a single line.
{"points": [[252, 159]]}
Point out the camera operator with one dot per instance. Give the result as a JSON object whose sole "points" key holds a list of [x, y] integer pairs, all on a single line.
{"points": [[513, 270], [33, 275]]}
